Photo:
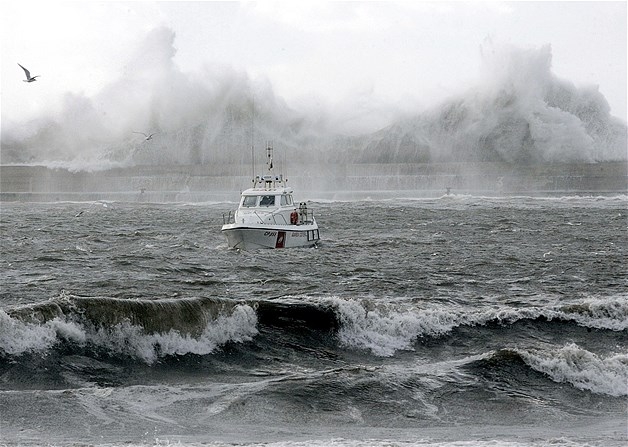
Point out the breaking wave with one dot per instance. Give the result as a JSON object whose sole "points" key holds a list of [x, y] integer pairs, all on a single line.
{"points": [[572, 364], [385, 329], [150, 329], [146, 330], [582, 369]]}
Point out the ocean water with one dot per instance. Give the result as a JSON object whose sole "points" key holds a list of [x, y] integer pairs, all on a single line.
{"points": [[453, 321]]}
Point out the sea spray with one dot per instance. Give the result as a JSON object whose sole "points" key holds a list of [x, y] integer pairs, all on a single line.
{"points": [[581, 368], [145, 329], [519, 112], [19, 337], [388, 328], [127, 339], [609, 313], [384, 327]]}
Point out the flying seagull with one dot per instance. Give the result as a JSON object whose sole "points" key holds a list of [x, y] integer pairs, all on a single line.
{"points": [[147, 137], [29, 78]]}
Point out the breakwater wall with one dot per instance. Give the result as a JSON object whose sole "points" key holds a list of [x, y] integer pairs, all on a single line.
{"points": [[224, 182]]}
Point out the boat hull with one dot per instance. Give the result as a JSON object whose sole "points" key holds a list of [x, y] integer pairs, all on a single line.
{"points": [[250, 237]]}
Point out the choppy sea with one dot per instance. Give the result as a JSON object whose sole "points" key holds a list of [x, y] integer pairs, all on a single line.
{"points": [[453, 321]]}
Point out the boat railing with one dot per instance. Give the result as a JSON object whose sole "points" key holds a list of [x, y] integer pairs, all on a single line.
{"points": [[228, 218], [306, 216]]}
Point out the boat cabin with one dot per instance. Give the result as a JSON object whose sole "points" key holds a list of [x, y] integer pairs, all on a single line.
{"points": [[271, 206], [266, 199]]}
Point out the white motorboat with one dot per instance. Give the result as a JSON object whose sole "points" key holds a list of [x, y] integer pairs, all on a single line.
{"points": [[268, 217]]}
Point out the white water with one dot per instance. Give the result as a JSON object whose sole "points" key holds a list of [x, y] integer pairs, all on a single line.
{"points": [[387, 328], [19, 337], [519, 111]]}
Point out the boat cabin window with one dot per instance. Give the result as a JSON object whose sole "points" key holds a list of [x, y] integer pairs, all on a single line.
{"points": [[249, 201], [286, 199], [267, 201]]}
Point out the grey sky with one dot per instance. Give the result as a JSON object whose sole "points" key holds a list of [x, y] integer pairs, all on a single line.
{"points": [[336, 55]]}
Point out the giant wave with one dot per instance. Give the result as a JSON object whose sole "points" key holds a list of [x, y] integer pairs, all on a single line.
{"points": [[519, 112]]}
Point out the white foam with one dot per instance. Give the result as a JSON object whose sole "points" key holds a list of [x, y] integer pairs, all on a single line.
{"points": [[583, 369], [17, 337], [608, 313], [389, 327], [125, 338], [385, 327]]}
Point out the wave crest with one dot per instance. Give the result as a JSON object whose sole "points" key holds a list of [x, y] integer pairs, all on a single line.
{"points": [[146, 329], [387, 328], [383, 330], [583, 369]]}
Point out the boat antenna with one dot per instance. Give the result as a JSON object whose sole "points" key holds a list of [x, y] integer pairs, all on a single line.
{"points": [[283, 166], [269, 154], [253, 133]]}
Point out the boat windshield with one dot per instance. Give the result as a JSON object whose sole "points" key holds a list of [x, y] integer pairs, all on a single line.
{"points": [[267, 201], [286, 199], [249, 201]]}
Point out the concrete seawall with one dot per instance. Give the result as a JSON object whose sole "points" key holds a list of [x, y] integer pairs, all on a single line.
{"points": [[207, 183]]}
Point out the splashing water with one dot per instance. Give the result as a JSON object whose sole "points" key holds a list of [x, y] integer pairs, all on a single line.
{"points": [[519, 113]]}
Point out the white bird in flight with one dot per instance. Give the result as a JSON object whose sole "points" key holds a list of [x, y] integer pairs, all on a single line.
{"points": [[29, 78], [148, 137]]}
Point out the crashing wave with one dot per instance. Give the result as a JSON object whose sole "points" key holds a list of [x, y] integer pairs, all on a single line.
{"points": [[519, 113], [384, 329], [583, 369], [144, 329]]}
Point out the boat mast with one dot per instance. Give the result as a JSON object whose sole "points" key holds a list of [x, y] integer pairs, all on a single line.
{"points": [[269, 155], [253, 134]]}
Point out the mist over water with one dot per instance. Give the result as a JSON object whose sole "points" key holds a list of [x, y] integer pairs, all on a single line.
{"points": [[518, 112]]}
